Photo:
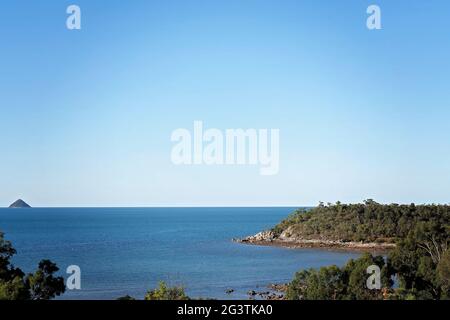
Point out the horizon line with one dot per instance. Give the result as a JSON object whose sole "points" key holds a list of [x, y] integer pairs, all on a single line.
{"points": [[166, 206]]}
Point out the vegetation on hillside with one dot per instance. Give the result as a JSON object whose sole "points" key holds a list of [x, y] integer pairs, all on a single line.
{"points": [[420, 262], [367, 222]]}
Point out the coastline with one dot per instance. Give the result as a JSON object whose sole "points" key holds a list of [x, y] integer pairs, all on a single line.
{"points": [[267, 238]]}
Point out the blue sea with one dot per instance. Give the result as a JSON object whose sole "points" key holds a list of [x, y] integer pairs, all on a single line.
{"points": [[126, 251]]}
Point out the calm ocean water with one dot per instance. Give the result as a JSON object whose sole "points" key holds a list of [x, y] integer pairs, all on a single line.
{"points": [[129, 250]]}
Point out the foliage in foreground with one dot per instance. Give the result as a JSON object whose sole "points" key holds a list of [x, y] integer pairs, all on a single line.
{"points": [[162, 292], [334, 283], [16, 285], [420, 262]]}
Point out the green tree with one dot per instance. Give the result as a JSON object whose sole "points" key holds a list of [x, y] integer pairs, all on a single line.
{"points": [[355, 276], [323, 284], [14, 289], [443, 270], [163, 292], [42, 284], [334, 283], [14, 285], [420, 260]]}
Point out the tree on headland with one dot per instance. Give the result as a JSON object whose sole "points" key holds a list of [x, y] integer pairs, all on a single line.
{"points": [[15, 285], [420, 260], [443, 273], [363, 222]]}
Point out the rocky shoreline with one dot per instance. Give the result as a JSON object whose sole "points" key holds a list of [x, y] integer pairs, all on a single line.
{"points": [[268, 238]]}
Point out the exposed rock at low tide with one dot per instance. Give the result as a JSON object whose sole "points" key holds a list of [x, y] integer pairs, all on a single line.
{"points": [[260, 236], [285, 239]]}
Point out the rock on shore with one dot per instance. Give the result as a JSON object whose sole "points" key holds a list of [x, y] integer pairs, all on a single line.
{"points": [[285, 239], [266, 236]]}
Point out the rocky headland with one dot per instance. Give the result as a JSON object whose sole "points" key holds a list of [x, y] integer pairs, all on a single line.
{"points": [[285, 239]]}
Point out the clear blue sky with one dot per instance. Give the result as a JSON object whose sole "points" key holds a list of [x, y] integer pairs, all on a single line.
{"points": [[86, 116]]}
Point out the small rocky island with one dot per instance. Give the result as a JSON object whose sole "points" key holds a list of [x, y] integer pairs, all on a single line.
{"points": [[20, 204]]}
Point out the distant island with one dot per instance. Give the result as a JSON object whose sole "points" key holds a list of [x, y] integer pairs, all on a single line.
{"points": [[20, 204], [364, 226]]}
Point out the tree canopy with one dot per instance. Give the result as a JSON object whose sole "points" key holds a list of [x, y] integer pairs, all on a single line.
{"points": [[367, 222], [16, 285], [420, 262]]}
